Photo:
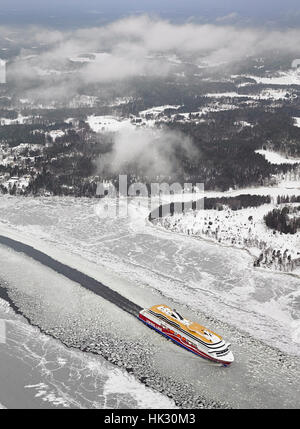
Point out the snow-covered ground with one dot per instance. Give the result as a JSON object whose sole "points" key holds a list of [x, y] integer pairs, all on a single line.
{"points": [[244, 124], [19, 120], [119, 101], [243, 228], [266, 94], [211, 108], [291, 77], [226, 94], [157, 110], [54, 134], [234, 228], [297, 122], [109, 124], [276, 158], [195, 116]]}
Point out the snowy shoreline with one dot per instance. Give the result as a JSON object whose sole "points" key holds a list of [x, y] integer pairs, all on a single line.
{"points": [[250, 252], [171, 224], [242, 229]]}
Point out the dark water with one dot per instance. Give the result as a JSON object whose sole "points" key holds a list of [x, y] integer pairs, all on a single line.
{"points": [[72, 274]]}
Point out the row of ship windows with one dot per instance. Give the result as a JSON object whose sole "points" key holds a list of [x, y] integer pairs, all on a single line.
{"points": [[182, 338], [222, 353]]}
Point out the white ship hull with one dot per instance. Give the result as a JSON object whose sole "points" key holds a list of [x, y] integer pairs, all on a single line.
{"points": [[217, 352]]}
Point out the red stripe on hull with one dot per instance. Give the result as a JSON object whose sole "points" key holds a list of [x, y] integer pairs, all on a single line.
{"points": [[179, 339]]}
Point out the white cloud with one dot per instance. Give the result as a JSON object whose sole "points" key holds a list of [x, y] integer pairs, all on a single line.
{"points": [[228, 18], [152, 150], [130, 42]]}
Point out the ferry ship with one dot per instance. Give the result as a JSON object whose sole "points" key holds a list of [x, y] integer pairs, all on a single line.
{"points": [[190, 335]]}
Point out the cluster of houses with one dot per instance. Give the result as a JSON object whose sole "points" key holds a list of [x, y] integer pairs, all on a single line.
{"points": [[20, 184], [11, 157]]}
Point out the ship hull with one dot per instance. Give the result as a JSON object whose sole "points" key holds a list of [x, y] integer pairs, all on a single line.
{"points": [[179, 340]]}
